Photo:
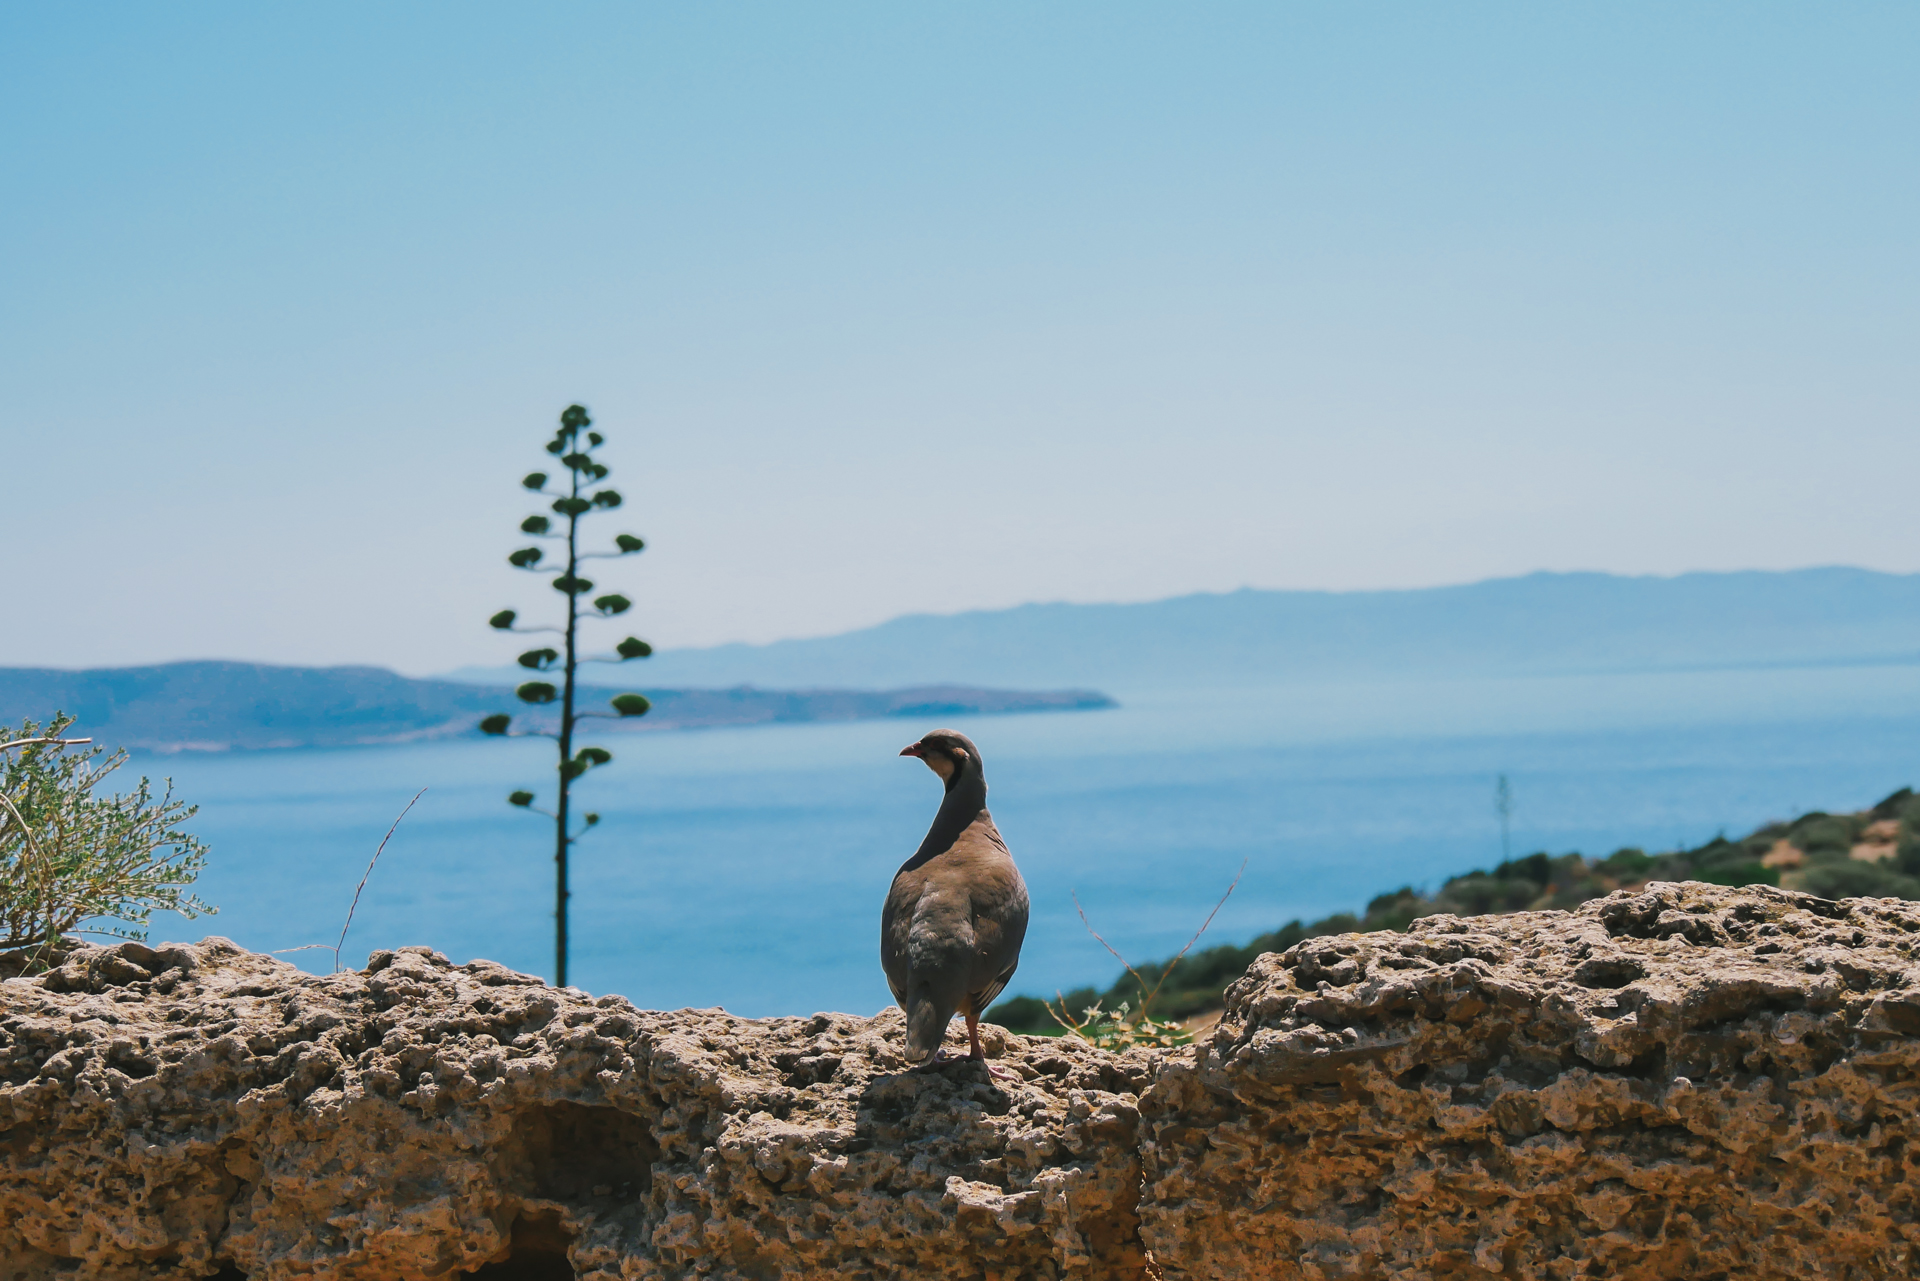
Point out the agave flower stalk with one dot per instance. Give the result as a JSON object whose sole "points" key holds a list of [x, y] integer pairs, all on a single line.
{"points": [[574, 497]]}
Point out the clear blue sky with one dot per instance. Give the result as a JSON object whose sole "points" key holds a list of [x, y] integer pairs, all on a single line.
{"points": [[903, 307]]}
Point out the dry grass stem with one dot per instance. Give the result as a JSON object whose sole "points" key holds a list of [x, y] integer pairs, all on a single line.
{"points": [[363, 884], [1103, 942], [1123, 1027], [1196, 936]]}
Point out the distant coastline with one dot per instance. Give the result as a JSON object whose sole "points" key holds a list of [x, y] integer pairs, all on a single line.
{"points": [[224, 706], [1545, 624]]}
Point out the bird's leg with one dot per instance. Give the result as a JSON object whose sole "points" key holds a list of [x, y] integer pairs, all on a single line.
{"points": [[979, 1055]]}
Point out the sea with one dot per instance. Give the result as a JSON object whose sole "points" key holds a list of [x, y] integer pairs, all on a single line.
{"points": [[744, 868]]}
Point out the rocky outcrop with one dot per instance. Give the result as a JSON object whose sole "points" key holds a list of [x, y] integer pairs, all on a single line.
{"points": [[1685, 1082], [194, 1111], [1689, 1081]]}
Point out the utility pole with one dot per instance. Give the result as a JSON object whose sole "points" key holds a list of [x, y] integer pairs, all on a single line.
{"points": [[1503, 805]]}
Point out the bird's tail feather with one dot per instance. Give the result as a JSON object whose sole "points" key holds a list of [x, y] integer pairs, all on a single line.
{"points": [[926, 1025]]}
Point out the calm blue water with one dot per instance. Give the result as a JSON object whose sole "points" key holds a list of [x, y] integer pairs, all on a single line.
{"points": [[745, 868]]}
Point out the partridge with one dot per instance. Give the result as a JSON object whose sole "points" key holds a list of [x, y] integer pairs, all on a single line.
{"points": [[956, 914]]}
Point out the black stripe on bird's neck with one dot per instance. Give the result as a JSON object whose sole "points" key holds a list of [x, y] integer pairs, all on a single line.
{"points": [[966, 797]]}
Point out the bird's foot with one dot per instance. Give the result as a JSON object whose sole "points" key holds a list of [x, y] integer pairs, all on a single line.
{"points": [[940, 1058], [992, 1069]]}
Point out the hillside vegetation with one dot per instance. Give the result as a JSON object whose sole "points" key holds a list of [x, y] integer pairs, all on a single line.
{"points": [[1872, 854]]}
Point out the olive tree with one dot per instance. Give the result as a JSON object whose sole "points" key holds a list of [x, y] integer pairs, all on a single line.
{"points": [[575, 496]]}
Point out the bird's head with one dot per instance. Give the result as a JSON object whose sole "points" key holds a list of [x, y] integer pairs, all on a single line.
{"points": [[946, 752]]}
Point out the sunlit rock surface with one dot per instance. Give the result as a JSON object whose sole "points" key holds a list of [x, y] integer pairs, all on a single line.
{"points": [[202, 1111], [1686, 1082], [1690, 1081]]}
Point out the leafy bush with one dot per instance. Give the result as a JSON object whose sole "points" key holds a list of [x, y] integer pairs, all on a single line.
{"points": [[1398, 909], [1122, 1029], [1029, 1013], [68, 856], [1857, 880], [1824, 835], [1721, 850], [1479, 893], [1907, 857], [1625, 862], [1902, 805], [1738, 874]]}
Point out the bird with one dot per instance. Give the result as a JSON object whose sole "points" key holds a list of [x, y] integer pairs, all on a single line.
{"points": [[956, 914]]}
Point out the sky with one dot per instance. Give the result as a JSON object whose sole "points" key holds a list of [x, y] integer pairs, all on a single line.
{"points": [[891, 308]]}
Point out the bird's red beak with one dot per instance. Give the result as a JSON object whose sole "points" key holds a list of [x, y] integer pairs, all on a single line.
{"points": [[911, 749]]}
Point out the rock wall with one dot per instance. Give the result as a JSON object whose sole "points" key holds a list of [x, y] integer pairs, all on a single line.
{"points": [[1685, 1082]]}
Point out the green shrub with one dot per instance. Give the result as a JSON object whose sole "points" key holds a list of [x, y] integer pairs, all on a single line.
{"points": [[1029, 1013], [69, 857], [1537, 868], [1626, 863], [1902, 804], [1720, 850], [1907, 857], [1824, 835], [1397, 910], [1573, 893], [1738, 874], [1858, 880], [1481, 893]]}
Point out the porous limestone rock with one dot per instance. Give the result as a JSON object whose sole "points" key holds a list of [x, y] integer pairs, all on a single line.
{"points": [[200, 1111], [1689, 1081]]}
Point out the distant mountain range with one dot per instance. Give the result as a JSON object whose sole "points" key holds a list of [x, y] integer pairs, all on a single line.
{"points": [[217, 706], [926, 664], [1536, 625]]}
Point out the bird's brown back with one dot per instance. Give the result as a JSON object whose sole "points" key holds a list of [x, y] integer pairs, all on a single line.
{"points": [[955, 921]]}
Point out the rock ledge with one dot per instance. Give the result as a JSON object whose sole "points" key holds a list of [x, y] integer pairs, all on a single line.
{"points": [[1686, 1081]]}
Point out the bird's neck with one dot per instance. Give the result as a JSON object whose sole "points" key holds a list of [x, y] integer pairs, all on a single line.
{"points": [[966, 797]]}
